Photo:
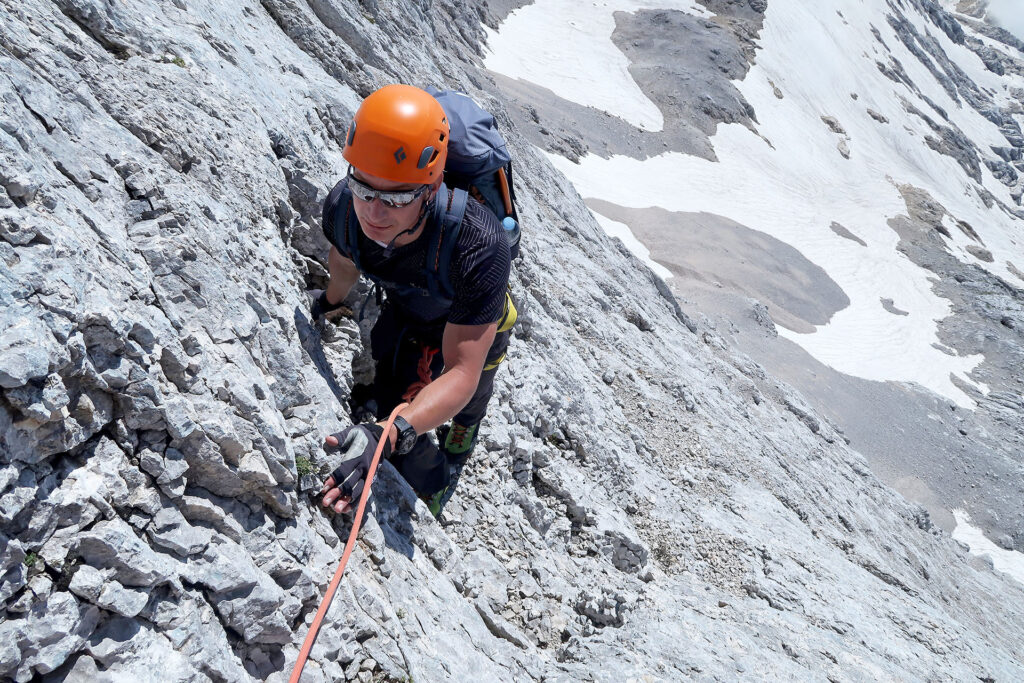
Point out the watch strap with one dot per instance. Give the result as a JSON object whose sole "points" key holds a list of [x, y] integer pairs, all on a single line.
{"points": [[406, 435]]}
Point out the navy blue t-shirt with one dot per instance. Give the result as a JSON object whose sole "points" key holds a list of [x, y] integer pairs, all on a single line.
{"points": [[479, 271]]}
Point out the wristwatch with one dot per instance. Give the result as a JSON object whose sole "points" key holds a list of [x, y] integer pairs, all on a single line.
{"points": [[406, 435]]}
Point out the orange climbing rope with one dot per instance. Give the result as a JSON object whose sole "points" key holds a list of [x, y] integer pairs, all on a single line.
{"points": [[423, 371], [357, 521]]}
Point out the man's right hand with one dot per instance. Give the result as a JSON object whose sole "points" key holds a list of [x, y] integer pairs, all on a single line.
{"points": [[322, 308]]}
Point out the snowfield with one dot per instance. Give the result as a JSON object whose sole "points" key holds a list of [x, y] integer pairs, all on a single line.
{"points": [[788, 179], [1006, 561]]}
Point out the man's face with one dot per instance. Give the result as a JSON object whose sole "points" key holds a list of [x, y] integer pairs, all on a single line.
{"points": [[383, 223]]}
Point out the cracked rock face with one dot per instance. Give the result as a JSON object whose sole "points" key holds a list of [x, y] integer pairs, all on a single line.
{"points": [[644, 502]]}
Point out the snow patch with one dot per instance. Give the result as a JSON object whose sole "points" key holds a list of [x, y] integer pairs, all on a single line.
{"points": [[766, 191], [566, 46], [1009, 562], [622, 231]]}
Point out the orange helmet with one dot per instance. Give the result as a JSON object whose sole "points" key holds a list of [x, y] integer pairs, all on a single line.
{"points": [[399, 133]]}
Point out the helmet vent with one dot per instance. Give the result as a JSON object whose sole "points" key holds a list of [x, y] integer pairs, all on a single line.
{"points": [[351, 133], [427, 157]]}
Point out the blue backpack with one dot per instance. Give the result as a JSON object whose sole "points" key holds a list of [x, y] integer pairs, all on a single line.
{"points": [[478, 167], [478, 160]]}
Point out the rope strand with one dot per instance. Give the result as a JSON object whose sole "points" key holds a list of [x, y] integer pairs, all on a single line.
{"points": [[357, 521]]}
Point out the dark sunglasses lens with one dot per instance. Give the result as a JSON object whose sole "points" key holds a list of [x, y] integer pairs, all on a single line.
{"points": [[397, 200], [359, 190]]}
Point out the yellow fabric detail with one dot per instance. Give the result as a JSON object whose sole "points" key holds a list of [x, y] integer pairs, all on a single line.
{"points": [[496, 363], [509, 317]]}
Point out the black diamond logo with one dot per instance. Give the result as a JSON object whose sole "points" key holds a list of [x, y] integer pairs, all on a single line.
{"points": [[400, 154]]}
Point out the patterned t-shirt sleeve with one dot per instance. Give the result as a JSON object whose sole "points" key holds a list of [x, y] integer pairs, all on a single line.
{"points": [[480, 270]]}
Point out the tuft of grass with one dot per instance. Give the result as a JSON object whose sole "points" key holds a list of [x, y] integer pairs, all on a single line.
{"points": [[30, 560], [178, 61], [303, 466]]}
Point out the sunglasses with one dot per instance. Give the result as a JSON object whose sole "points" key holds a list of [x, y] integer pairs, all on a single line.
{"points": [[392, 200]]}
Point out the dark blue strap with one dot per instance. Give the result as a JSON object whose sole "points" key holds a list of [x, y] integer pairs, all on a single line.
{"points": [[448, 217], [449, 210], [346, 227], [351, 231]]}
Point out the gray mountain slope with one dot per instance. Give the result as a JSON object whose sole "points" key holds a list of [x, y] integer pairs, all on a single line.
{"points": [[931, 451], [646, 503]]}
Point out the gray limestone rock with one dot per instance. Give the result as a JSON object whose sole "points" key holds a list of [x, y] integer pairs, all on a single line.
{"points": [[113, 544], [169, 529], [244, 596], [51, 632], [640, 505], [13, 572], [123, 643], [17, 498], [127, 602], [88, 582], [22, 356]]}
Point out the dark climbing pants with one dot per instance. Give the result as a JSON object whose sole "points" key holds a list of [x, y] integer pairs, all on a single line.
{"points": [[406, 359]]}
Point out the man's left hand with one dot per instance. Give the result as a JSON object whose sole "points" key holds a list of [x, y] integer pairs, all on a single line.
{"points": [[345, 485]]}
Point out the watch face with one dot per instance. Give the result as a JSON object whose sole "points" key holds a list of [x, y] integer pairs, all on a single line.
{"points": [[406, 442]]}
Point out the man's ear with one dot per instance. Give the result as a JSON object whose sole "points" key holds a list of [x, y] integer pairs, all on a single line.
{"points": [[435, 186]]}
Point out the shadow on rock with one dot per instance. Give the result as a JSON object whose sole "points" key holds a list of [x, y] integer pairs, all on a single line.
{"points": [[311, 338]]}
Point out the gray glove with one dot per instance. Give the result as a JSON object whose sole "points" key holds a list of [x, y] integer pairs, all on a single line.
{"points": [[357, 445]]}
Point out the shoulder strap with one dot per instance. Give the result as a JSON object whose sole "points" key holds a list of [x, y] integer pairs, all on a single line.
{"points": [[351, 224], [449, 210], [511, 189]]}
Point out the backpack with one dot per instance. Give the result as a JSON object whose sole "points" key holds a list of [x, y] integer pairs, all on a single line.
{"points": [[479, 167], [478, 160]]}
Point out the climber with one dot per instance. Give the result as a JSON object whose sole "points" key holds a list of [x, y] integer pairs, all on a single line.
{"points": [[439, 336]]}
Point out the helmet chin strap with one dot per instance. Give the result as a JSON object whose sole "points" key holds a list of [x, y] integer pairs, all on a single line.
{"points": [[419, 221]]}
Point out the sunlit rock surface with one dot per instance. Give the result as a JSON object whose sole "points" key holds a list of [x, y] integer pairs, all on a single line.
{"points": [[646, 501]]}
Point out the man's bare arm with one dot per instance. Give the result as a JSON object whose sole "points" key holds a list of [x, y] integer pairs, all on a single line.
{"points": [[344, 276], [465, 350]]}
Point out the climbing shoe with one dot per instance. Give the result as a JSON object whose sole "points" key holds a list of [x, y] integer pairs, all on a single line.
{"points": [[458, 441], [321, 309], [437, 501]]}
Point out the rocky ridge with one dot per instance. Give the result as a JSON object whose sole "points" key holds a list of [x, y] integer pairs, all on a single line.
{"points": [[646, 501]]}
